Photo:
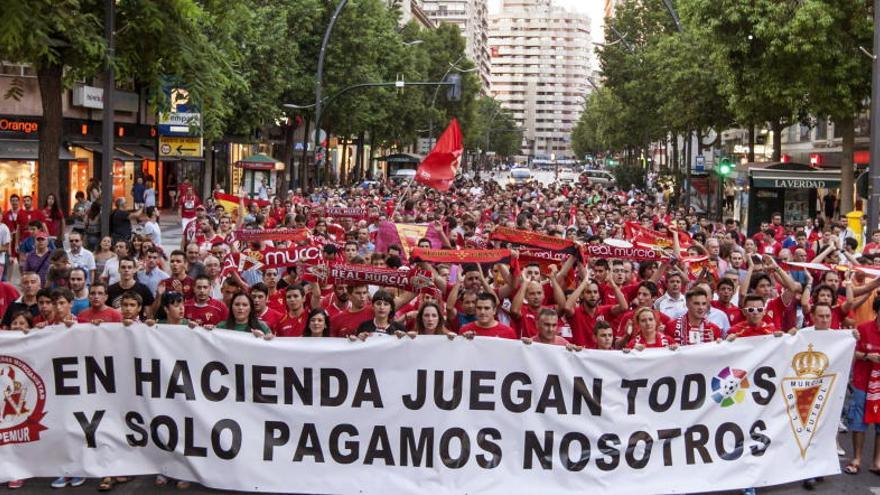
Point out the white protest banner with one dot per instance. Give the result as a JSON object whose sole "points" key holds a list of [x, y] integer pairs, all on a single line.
{"points": [[488, 416]]}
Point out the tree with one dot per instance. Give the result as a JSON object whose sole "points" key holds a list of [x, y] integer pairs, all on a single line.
{"points": [[750, 44], [158, 43], [828, 35], [493, 129]]}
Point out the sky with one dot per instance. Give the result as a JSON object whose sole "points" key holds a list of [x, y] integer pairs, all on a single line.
{"points": [[593, 8]]}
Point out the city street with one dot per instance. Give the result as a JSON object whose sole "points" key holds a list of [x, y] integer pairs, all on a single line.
{"points": [[865, 483]]}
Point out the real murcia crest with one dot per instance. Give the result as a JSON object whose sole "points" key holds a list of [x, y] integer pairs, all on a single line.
{"points": [[806, 394]]}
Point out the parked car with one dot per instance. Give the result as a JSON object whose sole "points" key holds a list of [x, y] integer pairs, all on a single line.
{"points": [[601, 177], [520, 175]]}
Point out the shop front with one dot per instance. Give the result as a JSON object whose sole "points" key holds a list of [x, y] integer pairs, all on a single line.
{"points": [[257, 168], [795, 190], [19, 157]]}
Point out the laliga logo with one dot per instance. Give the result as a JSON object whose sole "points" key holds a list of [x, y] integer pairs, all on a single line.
{"points": [[23, 398], [805, 395]]}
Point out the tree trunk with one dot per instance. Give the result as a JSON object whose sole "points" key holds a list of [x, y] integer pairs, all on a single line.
{"points": [[286, 178], [751, 154], [689, 146], [304, 160], [674, 161], [51, 88], [368, 171], [776, 127], [846, 126], [344, 173], [359, 159], [699, 133]]}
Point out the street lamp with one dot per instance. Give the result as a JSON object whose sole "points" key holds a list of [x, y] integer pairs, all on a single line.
{"points": [[452, 66], [874, 167]]}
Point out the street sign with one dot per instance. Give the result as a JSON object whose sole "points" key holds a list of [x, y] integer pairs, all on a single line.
{"points": [[177, 146], [180, 124], [700, 164]]}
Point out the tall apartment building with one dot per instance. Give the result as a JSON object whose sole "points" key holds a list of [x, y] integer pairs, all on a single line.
{"points": [[472, 17], [540, 56]]}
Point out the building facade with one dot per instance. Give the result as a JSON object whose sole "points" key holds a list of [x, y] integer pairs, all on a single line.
{"points": [[540, 57], [472, 17]]}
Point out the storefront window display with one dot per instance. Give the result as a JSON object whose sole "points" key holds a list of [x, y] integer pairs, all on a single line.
{"points": [[17, 177]]}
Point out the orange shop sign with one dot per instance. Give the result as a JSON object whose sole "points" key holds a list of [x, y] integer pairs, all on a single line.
{"points": [[19, 126]]}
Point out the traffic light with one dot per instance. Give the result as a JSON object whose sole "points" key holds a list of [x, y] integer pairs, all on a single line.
{"points": [[453, 92], [725, 167]]}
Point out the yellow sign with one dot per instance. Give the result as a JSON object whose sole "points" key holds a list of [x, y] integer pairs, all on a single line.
{"points": [[180, 146]]}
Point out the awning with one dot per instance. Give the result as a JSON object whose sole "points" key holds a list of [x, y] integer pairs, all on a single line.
{"points": [[795, 179], [257, 162], [15, 149], [401, 158], [120, 153], [137, 150]]}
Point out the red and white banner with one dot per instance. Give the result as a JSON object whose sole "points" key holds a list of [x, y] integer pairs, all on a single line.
{"points": [[386, 416], [282, 234], [635, 253]]}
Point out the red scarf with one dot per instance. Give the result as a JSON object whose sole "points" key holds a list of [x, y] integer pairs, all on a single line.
{"points": [[684, 331], [872, 404], [460, 255]]}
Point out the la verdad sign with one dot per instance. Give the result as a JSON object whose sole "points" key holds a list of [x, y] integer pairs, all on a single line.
{"points": [[313, 415]]}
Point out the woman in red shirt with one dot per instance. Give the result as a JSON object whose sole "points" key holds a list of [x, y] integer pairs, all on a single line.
{"points": [[648, 336], [53, 217]]}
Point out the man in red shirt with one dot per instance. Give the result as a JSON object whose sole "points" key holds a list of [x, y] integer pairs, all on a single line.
{"points": [[754, 324], [178, 281], [25, 216], [583, 317], [486, 324], [203, 309], [10, 218], [726, 289], [260, 295], [187, 204], [525, 316], [293, 323], [867, 357], [548, 331], [693, 327], [98, 312], [359, 310]]}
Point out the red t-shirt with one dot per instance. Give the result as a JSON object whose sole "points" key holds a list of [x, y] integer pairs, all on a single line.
{"points": [[734, 314], [184, 286], [291, 326], [347, 322], [271, 317], [743, 329], [331, 305], [779, 315], [8, 294], [557, 340], [188, 204], [869, 341], [620, 328], [498, 330], [276, 300], [53, 224], [582, 324], [527, 324], [24, 218], [212, 313], [107, 314]]}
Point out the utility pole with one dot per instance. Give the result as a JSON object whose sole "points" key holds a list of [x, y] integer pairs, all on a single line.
{"points": [[319, 77], [107, 124], [874, 170]]}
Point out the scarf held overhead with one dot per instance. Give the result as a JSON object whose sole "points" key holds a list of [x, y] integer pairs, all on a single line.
{"points": [[344, 273]]}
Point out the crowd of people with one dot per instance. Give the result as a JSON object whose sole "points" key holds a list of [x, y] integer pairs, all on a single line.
{"points": [[743, 286]]}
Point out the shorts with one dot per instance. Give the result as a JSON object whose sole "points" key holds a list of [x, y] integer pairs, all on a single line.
{"points": [[855, 416]]}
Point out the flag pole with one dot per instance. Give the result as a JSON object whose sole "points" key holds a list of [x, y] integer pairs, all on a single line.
{"points": [[405, 192]]}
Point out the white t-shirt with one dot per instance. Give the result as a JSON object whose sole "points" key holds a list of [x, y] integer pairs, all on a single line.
{"points": [[5, 238], [152, 229]]}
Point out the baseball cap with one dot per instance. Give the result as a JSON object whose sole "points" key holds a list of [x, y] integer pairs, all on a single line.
{"points": [[41, 235]]}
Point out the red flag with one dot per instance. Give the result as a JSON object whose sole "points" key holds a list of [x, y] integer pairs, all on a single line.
{"points": [[438, 169]]}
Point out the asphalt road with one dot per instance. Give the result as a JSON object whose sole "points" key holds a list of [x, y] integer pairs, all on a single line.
{"points": [[863, 483]]}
